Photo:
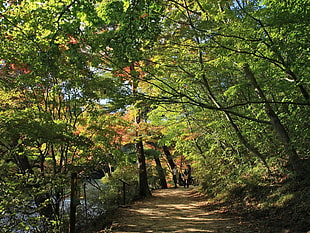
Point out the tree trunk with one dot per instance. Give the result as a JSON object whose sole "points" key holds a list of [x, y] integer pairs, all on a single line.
{"points": [[194, 139], [159, 168], [73, 202], [143, 183], [236, 129], [161, 173], [169, 157], [276, 123], [246, 143], [144, 190]]}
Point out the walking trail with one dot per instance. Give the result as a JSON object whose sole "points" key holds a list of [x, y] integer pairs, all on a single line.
{"points": [[175, 210]]}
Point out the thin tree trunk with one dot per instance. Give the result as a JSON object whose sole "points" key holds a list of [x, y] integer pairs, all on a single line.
{"points": [[73, 202], [246, 143], [194, 139], [159, 168], [227, 115], [236, 128], [161, 173], [169, 157], [276, 123]]}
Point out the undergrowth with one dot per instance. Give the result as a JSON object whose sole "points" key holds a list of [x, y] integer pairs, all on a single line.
{"points": [[282, 206]]}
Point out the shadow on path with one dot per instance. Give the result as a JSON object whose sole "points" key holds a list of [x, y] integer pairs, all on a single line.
{"points": [[173, 210]]}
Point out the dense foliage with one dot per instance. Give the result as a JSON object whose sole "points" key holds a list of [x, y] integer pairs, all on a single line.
{"points": [[90, 85]]}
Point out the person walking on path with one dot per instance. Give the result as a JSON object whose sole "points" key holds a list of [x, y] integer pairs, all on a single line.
{"points": [[187, 176], [174, 176]]}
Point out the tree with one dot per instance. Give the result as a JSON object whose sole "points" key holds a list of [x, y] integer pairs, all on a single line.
{"points": [[129, 29], [49, 85], [199, 62]]}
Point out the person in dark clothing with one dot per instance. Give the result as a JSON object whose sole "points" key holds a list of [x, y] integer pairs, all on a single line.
{"points": [[187, 176]]}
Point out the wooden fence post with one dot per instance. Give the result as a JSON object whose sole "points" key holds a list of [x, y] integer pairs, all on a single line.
{"points": [[124, 190]]}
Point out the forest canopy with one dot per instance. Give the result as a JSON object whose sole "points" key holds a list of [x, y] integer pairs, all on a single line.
{"points": [[133, 88]]}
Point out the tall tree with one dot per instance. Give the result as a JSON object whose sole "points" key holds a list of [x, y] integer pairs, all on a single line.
{"points": [[130, 28]]}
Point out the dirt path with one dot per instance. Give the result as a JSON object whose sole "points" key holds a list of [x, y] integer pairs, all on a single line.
{"points": [[174, 210]]}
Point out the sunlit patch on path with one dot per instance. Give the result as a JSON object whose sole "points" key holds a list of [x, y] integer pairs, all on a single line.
{"points": [[172, 210]]}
